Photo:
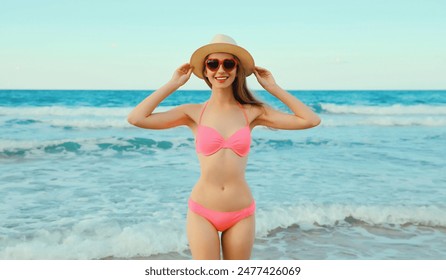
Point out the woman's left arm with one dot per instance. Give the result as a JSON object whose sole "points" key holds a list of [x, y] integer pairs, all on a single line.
{"points": [[303, 116]]}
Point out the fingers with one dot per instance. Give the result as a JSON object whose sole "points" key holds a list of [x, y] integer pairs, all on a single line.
{"points": [[185, 69], [185, 65], [258, 70], [261, 71], [189, 72]]}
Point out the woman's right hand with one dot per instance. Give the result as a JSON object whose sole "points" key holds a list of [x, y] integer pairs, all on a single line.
{"points": [[182, 74]]}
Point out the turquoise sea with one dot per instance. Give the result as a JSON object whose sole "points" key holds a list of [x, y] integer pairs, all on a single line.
{"points": [[78, 182]]}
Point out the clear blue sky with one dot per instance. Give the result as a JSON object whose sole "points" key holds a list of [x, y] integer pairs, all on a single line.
{"points": [[136, 44]]}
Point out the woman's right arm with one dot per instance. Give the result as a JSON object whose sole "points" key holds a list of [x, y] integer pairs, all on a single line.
{"points": [[142, 115]]}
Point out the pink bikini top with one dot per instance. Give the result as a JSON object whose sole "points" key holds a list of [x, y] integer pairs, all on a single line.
{"points": [[209, 141]]}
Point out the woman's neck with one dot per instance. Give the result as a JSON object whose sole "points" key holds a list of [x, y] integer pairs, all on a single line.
{"points": [[222, 96]]}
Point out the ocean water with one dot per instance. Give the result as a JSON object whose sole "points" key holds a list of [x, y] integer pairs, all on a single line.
{"points": [[78, 182]]}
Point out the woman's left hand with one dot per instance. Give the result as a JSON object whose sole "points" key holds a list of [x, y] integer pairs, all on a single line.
{"points": [[264, 77]]}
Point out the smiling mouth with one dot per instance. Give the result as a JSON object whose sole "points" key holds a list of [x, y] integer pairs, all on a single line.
{"points": [[221, 78]]}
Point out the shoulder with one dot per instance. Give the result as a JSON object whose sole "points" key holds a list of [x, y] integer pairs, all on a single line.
{"points": [[191, 110], [255, 111]]}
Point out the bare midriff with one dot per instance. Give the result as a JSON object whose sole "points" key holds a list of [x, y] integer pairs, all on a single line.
{"points": [[222, 185]]}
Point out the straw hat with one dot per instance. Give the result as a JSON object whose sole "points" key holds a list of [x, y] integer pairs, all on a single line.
{"points": [[221, 44]]}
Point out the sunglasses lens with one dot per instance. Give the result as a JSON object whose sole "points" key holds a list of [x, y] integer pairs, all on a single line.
{"points": [[229, 64], [212, 64]]}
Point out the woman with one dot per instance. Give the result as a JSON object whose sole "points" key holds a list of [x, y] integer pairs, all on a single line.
{"points": [[221, 200]]}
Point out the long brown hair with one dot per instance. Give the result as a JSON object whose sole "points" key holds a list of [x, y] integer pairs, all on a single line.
{"points": [[239, 88]]}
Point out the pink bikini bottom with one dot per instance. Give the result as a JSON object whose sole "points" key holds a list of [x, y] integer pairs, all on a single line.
{"points": [[222, 220]]}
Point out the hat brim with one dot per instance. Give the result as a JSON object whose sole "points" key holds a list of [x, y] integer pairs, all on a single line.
{"points": [[197, 58]]}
